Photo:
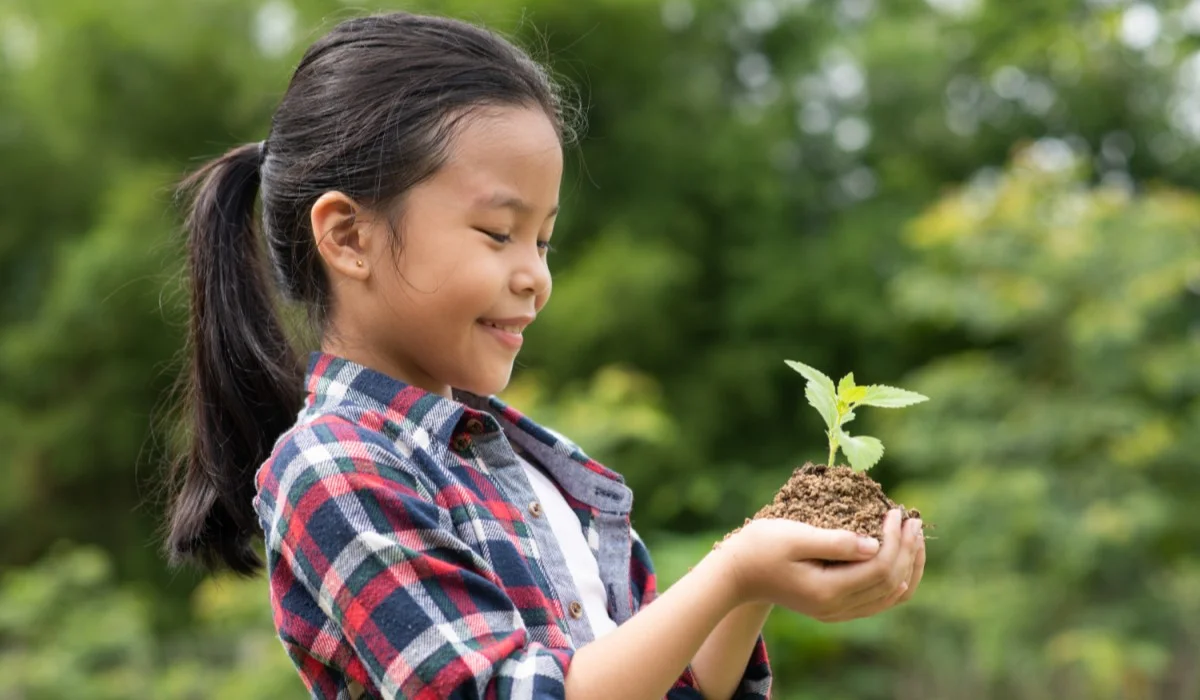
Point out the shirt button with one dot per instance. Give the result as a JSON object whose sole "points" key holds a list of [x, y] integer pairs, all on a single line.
{"points": [[576, 609], [475, 426], [461, 443], [535, 509]]}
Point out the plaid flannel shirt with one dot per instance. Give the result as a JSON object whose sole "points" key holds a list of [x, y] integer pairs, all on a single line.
{"points": [[405, 559]]}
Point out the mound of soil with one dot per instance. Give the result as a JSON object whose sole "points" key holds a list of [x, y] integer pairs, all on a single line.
{"points": [[838, 498]]}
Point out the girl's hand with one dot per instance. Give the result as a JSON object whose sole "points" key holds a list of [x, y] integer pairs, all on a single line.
{"points": [[788, 564]]}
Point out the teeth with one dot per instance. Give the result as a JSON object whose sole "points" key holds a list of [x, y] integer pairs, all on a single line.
{"points": [[516, 330]]}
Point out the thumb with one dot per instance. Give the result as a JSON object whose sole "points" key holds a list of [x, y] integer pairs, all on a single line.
{"points": [[835, 545]]}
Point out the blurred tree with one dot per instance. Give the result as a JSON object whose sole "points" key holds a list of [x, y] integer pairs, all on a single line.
{"points": [[69, 630], [1065, 443]]}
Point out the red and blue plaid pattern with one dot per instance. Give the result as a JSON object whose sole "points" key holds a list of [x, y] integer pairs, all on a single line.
{"points": [[398, 564]]}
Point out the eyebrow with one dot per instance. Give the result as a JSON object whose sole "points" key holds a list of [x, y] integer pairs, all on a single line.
{"points": [[502, 200]]}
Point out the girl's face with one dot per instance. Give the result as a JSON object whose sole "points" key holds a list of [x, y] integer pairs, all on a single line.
{"points": [[447, 307]]}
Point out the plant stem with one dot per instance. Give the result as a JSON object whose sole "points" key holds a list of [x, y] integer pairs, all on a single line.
{"points": [[833, 445]]}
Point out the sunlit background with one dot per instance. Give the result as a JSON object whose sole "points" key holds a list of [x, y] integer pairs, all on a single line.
{"points": [[992, 202]]}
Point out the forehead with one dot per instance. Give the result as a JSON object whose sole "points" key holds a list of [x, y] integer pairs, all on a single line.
{"points": [[507, 147]]}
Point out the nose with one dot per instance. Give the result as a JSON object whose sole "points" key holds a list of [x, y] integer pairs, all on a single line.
{"points": [[532, 277]]}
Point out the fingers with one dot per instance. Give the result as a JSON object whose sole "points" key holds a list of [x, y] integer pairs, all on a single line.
{"points": [[874, 577], [918, 571], [876, 599], [870, 581], [892, 537], [900, 576], [880, 579], [891, 551], [869, 608], [837, 545], [900, 596]]}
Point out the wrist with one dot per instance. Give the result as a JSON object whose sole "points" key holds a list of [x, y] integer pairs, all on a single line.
{"points": [[758, 607], [720, 567]]}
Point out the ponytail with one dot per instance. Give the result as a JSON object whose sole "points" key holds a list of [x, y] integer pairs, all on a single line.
{"points": [[244, 381]]}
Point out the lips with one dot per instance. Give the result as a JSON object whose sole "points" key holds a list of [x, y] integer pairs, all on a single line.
{"points": [[512, 324], [515, 329], [507, 330]]}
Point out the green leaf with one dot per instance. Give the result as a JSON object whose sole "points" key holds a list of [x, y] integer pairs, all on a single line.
{"points": [[854, 395], [813, 375], [862, 451], [823, 401], [890, 397], [845, 387]]}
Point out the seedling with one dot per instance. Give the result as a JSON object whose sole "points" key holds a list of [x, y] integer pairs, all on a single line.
{"points": [[837, 405]]}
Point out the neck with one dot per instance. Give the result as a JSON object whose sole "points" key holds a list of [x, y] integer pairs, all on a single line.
{"points": [[363, 354]]}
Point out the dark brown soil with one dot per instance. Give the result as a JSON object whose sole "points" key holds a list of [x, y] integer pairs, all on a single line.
{"points": [[838, 498]]}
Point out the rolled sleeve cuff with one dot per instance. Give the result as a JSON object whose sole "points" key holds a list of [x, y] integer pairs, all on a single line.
{"points": [[755, 683]]}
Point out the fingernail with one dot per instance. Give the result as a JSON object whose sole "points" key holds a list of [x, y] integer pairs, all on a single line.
{"points": [[903, 586], [868, 545]]}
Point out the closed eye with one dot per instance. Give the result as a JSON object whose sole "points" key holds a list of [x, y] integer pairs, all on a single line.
{"points": [[498, 237], [507, 238]]}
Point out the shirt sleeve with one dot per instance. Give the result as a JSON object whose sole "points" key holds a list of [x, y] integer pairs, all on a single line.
{"points": [[756, 680], [423, 612]]}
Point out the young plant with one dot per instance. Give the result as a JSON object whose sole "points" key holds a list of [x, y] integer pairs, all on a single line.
{"points": [[836, 405]]}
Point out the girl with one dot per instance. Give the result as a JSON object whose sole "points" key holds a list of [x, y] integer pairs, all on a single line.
{"points": [[423, 539]]}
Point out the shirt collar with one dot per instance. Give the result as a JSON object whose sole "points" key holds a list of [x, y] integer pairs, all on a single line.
{"points": [[335, 380]]}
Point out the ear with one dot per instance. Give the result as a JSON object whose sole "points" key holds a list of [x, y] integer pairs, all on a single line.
{"points": [[343, 235]]}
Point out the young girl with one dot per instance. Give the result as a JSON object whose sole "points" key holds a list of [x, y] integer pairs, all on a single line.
{"points": [[423, 539]]}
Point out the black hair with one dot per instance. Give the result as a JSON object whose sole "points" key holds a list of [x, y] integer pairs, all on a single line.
{"points": [[370, 112]]}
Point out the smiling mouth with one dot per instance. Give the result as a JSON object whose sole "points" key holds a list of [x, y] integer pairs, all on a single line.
{"points": [[507, 328]]}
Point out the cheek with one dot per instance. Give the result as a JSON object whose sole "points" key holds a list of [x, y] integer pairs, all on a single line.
{"points": [[426, 279], [409, 305], [449, 306]]}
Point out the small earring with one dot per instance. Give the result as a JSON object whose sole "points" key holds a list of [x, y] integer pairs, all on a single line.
{"points": [[358, 263]]}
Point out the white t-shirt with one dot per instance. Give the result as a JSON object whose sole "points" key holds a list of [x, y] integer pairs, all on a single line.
{"points": [[580, 560]]}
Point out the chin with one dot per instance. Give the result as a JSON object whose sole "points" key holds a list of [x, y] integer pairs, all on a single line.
{"points": [[487, 384]]}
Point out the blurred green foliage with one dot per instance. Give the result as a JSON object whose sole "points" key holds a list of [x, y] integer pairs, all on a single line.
{"points": [[992, 203], [70, 631]]}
